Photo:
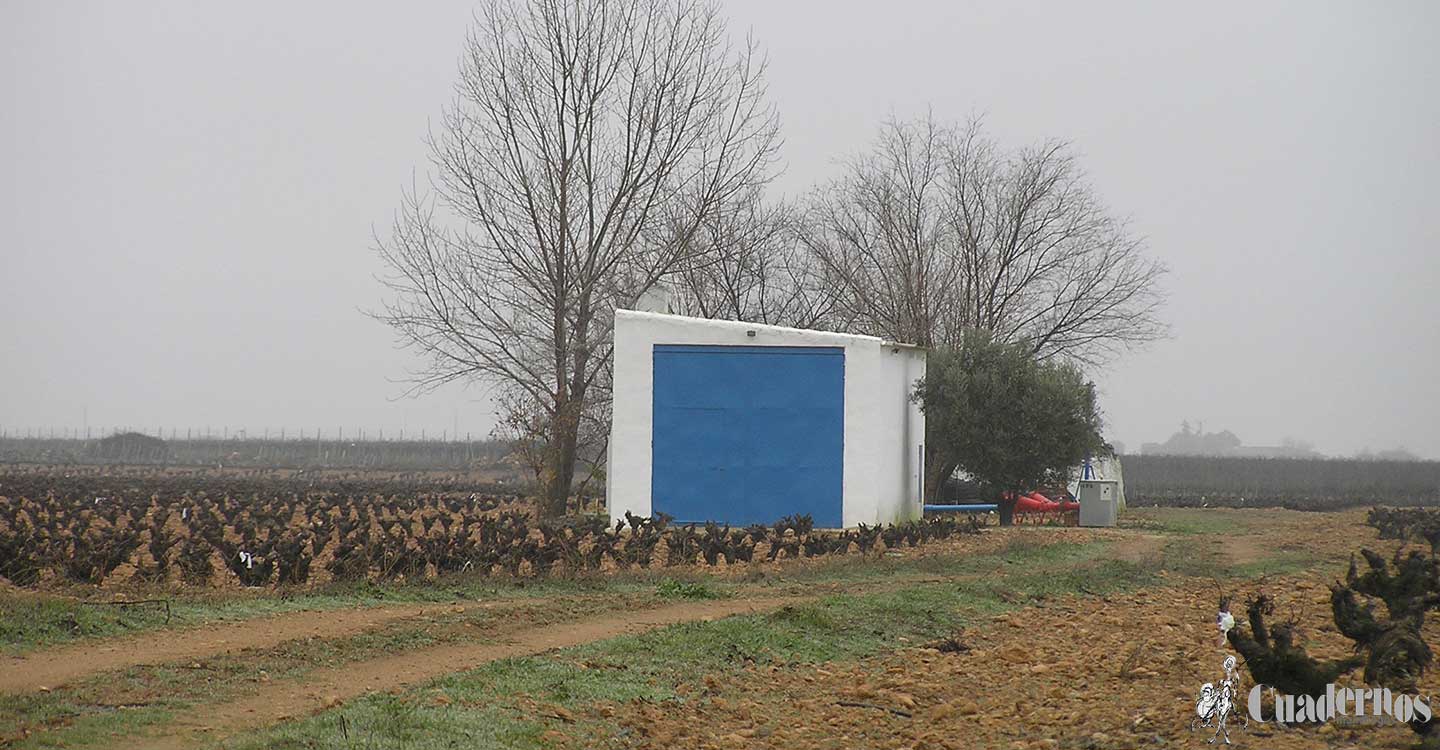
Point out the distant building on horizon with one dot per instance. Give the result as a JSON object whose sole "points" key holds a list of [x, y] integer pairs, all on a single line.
{"points": [[1196, 442]]}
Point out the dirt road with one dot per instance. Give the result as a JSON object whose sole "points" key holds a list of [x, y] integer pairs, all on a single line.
{"points": [[51, 668], [329, 687]]}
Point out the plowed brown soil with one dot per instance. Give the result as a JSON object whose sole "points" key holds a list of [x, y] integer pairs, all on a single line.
{"points": [[1122, 672]]}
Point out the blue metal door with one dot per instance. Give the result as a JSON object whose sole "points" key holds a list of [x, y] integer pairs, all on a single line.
{"points": [[748, 434]]}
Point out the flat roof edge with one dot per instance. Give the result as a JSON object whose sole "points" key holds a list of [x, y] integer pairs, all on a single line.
{"points": [[742, 325]]}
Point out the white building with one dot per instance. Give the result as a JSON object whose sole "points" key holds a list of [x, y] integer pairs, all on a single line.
{"points": [[743, 423]]}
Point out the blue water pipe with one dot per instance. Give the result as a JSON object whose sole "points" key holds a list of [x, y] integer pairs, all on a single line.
{"points": [[967, 508]]}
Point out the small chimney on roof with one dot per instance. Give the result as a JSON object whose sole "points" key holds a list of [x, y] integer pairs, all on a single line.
{"points": [[656, 299]]}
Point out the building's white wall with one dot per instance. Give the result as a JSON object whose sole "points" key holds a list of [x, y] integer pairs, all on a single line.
{"points": [[915, 442], [898, 476], [877, 454], [862, 424]]}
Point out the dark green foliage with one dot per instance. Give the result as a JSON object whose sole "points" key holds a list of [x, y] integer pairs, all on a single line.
{"points": [[673, 589], [1012, 422]]}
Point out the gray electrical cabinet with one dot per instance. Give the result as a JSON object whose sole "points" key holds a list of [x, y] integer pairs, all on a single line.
{"points": [[1099, 499]]}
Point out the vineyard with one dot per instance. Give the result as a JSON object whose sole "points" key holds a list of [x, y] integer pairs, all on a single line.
{"points": [[1300, 484], [571, 634], [60, 527], [295, 451]]}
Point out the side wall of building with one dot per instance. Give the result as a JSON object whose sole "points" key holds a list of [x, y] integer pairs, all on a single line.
{"points": [[900, 439]]}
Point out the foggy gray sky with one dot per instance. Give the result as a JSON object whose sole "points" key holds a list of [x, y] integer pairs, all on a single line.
{"points": [[190, 191]]}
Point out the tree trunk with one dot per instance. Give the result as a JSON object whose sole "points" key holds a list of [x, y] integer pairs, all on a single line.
{"points": [[938, 468], [1007, 510], [560, 474]]}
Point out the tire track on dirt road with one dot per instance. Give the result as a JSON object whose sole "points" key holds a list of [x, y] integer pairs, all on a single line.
{"points": [[329, 687], [54, 667]]}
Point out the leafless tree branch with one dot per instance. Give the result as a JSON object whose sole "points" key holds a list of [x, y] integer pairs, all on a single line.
{"points": [[591, 151]]}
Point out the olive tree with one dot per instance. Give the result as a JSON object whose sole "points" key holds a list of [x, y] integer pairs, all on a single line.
{"points": [[1012, 421], [590, 145]]}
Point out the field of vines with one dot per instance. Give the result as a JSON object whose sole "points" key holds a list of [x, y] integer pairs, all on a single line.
{"points": [[63, 526], [292, 451], [1300, 484]]}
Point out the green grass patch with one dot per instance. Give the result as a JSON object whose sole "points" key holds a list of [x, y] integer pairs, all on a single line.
{"points": [[1283, 563], [79, 715], [387, 721], [29, 621], [1193, 556], [1022, 548], [92, 712], [1189, 521], [670, 588], [72, 724]]}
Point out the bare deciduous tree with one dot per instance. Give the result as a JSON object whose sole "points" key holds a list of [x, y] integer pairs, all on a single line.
{"points": [[755, 269], [882, 239], [937, 231], [1042, 259], [590, 145]]}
